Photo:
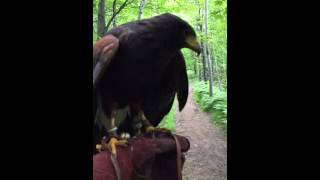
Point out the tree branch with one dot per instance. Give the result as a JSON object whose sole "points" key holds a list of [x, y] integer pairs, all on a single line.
{"points": [[125, 3], [142, 4], [114, 7]]}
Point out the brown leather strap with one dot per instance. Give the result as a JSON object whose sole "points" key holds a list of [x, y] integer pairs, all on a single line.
{"points": [[116, 166], [179, 164]]}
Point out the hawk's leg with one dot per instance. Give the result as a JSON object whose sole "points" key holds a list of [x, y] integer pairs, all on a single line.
{"points": [[149, 128], [140, 117], [113, 141]]}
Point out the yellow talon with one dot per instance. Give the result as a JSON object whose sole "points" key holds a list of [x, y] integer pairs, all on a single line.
{"points": [[113, 142], [99, 147], [152, 129]]}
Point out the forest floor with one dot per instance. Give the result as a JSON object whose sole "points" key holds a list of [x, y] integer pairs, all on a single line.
{"points": [[207, 157]]}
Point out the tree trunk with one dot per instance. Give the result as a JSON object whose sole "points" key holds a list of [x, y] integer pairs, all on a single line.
{"points": [[203, 70], [204, 61], [142, 4], [206, 48], [214, 68], [101, 19], [114, 21], [209, 71], [199, 29], [218, 73]]}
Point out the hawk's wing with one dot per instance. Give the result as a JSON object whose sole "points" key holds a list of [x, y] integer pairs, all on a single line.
{"points": [[181, 80], [103, 53]]}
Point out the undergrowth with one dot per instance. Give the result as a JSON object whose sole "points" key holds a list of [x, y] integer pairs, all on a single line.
{"points": [[169, 121], [215, 105]]}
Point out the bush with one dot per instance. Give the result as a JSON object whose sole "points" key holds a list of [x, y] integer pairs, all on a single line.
{"points": [[216, 105], [169, 121]]}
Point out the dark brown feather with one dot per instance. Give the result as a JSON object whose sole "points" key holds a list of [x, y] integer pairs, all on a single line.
{"points": [[148, 67]]}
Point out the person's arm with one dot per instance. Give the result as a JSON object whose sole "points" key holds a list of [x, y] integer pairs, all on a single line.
{"points": [[144, 156]]}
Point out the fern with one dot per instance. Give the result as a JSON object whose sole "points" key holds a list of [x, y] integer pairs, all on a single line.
{"points": [[216, 105]]}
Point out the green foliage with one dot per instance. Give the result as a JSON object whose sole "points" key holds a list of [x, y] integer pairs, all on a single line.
{"points": [[216, 105], [169, 121], [190, 59], [94, 37], [189, 10]]}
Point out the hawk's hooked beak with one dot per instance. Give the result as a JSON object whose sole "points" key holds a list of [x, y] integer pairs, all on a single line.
{"points": [[193, 44]]}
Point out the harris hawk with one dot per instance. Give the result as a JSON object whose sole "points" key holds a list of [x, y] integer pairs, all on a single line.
{"points": [[158, 103], [142, 72]]}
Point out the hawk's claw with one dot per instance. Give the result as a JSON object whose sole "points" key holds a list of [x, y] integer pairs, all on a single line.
{"points": [[153, 130], [111, 145], [113, 142]]}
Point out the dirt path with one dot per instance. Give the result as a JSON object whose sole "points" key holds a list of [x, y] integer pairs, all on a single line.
{"points": [[207, 157]]}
